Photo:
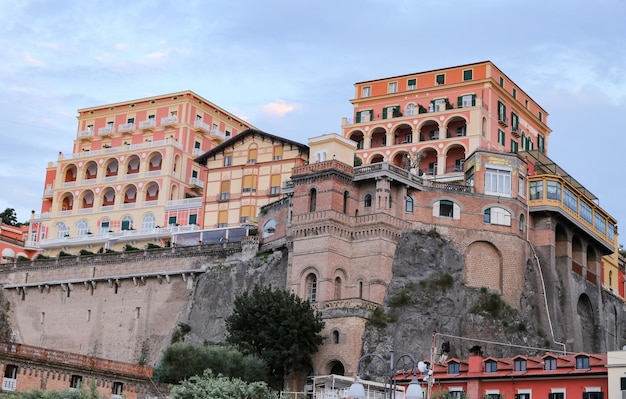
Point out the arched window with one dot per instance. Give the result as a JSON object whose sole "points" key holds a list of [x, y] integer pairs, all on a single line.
{"points": [[311, 282], [345, 202], [127, 223], [62, 230], [360, 289], [269, 228], [148, 222], [522, 222], [312, 200], [610, 278], [335, 337], [104, 225], [82, 227], [337, 287], [368, 201], [408, 204]]}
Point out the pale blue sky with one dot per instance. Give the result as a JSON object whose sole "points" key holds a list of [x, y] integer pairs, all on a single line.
{"points": [[289, 67]]}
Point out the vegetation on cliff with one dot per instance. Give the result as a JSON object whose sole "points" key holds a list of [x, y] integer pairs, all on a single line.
{"points": [[277, 326], [213, 386]]}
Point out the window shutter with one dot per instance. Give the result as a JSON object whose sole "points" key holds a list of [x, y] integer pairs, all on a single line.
{"points": [[222, 217], [225, 186], [247, 181], [358, 117], [473, 100], [459, 101], [385, 113], [278, 151], [275, 180]]}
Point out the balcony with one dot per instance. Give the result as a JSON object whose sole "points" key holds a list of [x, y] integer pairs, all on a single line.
{"points": [[47, 193], [149, 124], [216, 133], [201, 127], [127, 128], [194, 181], [196, 152], [502, 121], [86, 135], [515, 131], [122, 148], [106, 131], [186, 203], [169, 121]]}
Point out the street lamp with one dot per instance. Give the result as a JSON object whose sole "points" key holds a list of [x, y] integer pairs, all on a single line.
{"points": [[414, 390]]}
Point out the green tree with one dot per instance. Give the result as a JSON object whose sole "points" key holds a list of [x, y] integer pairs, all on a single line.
{"points": [[183, 360], [9, 217], [277, 326], [221, 387]]}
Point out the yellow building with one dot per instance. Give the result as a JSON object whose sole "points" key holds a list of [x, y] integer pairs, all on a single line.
{"points": [[245, 173], [131, 179]]}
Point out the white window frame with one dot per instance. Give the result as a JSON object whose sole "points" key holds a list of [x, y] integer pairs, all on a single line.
{"points": [[466, 101], [502, 176], [392, 87], [366, 91]]}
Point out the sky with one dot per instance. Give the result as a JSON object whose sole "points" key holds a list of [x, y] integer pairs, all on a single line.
{"points": [[289, 68]]}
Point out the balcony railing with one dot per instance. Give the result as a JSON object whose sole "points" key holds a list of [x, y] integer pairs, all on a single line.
{"points": [[196, 201], [85, 134], [126, 128], [106, 131], [218, 133], [197, 151], [113, 150], [149, 124], [200, 126], [169, 121], [194, 181]]}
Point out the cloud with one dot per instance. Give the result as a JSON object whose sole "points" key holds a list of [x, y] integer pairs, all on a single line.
{"points": [[278, 108], [33, 61]]}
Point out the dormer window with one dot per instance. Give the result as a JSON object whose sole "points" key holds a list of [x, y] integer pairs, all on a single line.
{"points": [[519, 365], [582, 362], [491, 366], [454, 368]]}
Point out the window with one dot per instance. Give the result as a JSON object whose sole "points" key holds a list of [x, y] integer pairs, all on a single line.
{"points": [[335, 337], [311, 284], [432, 168], [198, 117], [496, 215], [466, 101], [536, 190], [491, 366], [456, 394], [227, 133], [501, 112], [364, 116], [519, 365], [549, 363], [76, 381], [104, 226], [127, 223], [446, 208], [346, 195], [337, 288], [497, 182], [585, 211], [225, 190], [228, 160], [151, 117], [593, 395], [196, 145], [82, 227], [171, 221], [249, 184], [10, 371], [312, 200], [514, 93], [368, 201], [514, 146], [521, 186], [522, 222], [440, 79], [278, 152], [501, 81], [501, 137], [410, 110], [454, 368], [461, 131], [408, 204], [411, 84], [599, 222], [62, 230], [194, 174], [118, 387], [582, 362], [553, 190], [540, 143], [275, 185], [252, 155], [269, 228], [193, 219], [556, 395], [222, 219], [514, 122], [393, 87], [522, 396], [148, 222], [467, 75], [540, 116], [366, 91], [438, 105]]}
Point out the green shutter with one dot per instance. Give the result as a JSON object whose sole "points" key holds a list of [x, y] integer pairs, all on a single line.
{"points": [[473, 100], [358, 117], [385, 113], [459, 101]]}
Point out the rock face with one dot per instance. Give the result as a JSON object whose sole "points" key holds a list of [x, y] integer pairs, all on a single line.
{"points": [[427, 295], [217, 289]]}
